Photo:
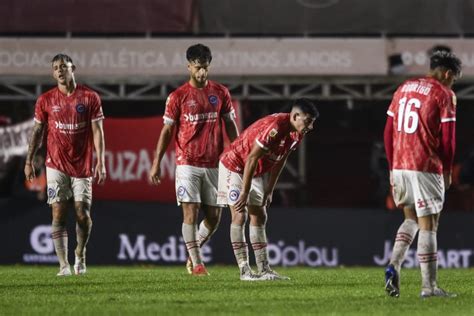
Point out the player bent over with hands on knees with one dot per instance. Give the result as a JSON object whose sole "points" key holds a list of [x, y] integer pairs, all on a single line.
{"points": [[196, 111], [71, 116], [248, 172], [419, 141]]}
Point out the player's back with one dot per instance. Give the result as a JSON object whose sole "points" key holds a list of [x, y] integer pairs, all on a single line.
{"points": [[418, 108]]}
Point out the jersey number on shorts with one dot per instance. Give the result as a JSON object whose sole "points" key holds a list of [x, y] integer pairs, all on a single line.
{"points": [[408, 119]]}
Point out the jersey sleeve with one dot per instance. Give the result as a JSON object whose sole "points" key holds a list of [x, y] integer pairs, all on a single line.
{"points": [[41, 116], [392, 109], [268, 137], [448, 107], [227, 110], [97, 113], [172, 110]]}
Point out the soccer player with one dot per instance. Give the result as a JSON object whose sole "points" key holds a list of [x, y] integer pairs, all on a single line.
{"points": [[71, 116], [195, 112], [419, 142], [248, 172]]}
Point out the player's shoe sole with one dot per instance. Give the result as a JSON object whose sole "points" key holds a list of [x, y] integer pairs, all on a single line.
{"points": [[392, 281]]}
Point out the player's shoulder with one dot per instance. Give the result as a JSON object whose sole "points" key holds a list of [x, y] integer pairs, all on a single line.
{"points": [[48, 94], [88, 91], [218, 86]]}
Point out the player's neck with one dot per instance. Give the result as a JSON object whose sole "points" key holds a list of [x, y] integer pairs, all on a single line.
{"points": [[68, 88], [196, 84]]}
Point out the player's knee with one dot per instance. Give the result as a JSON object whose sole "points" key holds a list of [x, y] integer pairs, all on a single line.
{"points": [[213, 221]]}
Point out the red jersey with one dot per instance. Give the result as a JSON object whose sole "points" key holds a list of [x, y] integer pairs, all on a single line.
{"points": [[273, 133], [197, 114], [419, 108], [68, 121]]}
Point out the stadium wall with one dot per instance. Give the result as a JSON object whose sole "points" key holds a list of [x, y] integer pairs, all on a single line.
{"points": [[127, 233]]}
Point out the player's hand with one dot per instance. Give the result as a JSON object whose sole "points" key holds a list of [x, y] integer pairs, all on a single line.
{"points": [[447, 180], [99, 173], [267, 199], [242, 202], [154, 176], [30, 173]]}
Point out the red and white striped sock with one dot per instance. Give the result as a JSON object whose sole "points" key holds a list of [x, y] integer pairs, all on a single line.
{"points": [[239, 244], [428, 258], [192, 244], [405, 235], [258, 238], [60, 241]]}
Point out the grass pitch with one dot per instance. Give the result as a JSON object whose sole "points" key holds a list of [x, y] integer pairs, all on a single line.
{"points": [[170, 291]]}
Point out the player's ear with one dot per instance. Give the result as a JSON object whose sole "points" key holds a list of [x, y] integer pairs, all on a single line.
{"points": [[73, 67]]}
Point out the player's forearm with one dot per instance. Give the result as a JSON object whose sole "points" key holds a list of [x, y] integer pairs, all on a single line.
{"points": [[249, 171], [231, 129], [448, 145], [163, 143], [99, 140], [275, 175], [35, 141]]}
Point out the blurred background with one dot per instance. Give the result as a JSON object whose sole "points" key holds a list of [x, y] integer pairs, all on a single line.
{"points": [[347, 56]]}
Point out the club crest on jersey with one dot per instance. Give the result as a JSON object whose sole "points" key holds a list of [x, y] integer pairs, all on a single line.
{"points": [[273, 132], [234, 195], [213, 100], [80, 108], [56, 108]]}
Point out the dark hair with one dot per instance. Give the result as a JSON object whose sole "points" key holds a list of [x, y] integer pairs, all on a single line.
{"points": [[62, 57], [307, 106], [199, 52], [446, 60]]}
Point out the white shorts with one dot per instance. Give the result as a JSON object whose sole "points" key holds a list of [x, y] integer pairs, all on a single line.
{"points": [[230, 185], [196, 185], [422, 189], [62, 187]]}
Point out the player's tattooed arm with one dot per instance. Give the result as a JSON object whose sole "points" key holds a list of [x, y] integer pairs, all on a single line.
{"points": [[35, 142]]}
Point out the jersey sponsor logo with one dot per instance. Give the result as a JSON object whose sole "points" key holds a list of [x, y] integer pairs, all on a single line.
{"points": [[201, 117], [74, 126], [234, 195], [213, 100], [80, 108]]}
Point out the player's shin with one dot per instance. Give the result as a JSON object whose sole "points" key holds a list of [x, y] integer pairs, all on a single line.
{"points": [[60, 241], [427, 256], [258, 238], [83, 231]]}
